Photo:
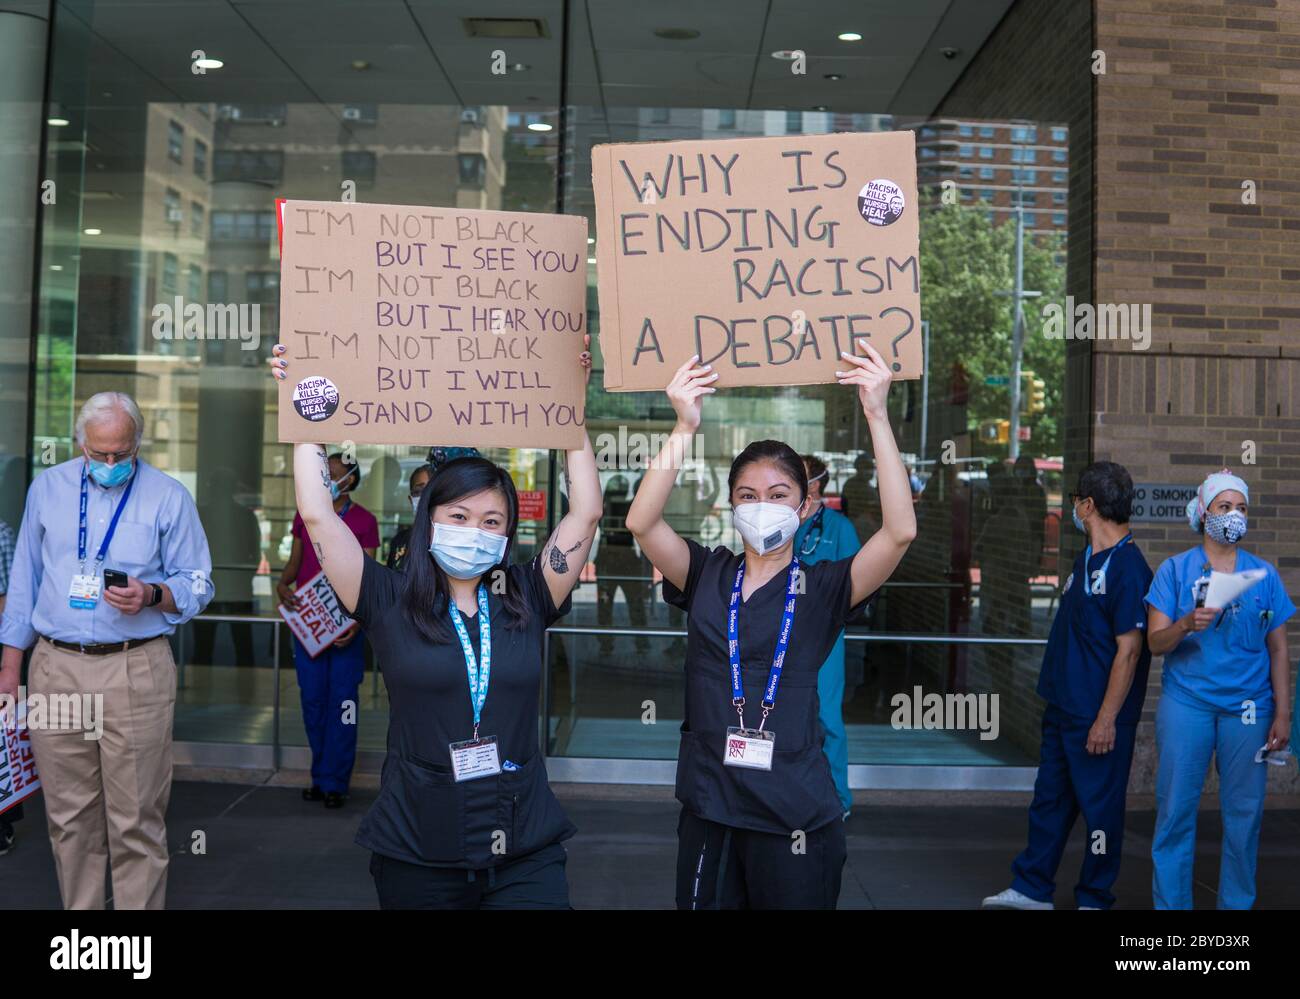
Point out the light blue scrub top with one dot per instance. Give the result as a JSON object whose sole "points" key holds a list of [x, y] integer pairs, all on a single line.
{"points": [[1228, 662], [835, 539]]}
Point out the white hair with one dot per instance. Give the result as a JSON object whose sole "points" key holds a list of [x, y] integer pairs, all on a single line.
{"points": [[104, 404]]}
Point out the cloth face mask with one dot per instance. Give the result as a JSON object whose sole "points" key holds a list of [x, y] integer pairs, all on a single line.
{"points": [[1226, 528]]}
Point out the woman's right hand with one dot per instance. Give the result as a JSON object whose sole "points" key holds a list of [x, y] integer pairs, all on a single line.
{"points": [[288, 596], [687, 389], [277, 362], [1199, 619]]}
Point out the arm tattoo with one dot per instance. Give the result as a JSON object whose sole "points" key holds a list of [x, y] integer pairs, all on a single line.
{"points": [[557, 558], [320, 552], [324, 467]]}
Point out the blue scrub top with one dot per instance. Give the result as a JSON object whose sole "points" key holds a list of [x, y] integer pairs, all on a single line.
{"points": [[834, 538], [1228, 662], [1081, 647]]}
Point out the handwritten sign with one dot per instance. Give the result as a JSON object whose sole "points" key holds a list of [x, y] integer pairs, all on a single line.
{"points": [[407, 324], [318, 619], [767, 257], [18, 777]]}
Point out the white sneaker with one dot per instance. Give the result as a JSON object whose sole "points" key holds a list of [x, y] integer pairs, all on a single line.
{"points": [[1012, 899]]}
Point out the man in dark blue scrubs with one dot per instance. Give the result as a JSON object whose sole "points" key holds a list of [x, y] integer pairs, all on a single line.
{"points": [[1094, 679]]}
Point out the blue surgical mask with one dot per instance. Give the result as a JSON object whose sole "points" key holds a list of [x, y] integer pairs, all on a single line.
{"points": [[466, 552], [335, 490], [1077, 522], [1226, 528], [108, 475]]}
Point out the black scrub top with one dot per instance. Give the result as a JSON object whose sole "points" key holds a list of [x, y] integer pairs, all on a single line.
{"points": [[422, 815], [798, 792]]}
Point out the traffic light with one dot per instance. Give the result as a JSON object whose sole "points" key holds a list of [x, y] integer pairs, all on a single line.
{"points": [[1033, 394], [995, 431]]}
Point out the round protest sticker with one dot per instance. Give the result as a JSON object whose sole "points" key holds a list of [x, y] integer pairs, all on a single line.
{"points": [[881, 202], [315, 398]]}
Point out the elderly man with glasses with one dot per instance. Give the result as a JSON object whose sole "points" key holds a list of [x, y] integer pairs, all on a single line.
{"points": [[111, 559]]}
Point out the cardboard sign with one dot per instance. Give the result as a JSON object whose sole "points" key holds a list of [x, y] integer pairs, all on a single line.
{"points": [[766, 256], [407, 325], [318, 619], [18, 777]]}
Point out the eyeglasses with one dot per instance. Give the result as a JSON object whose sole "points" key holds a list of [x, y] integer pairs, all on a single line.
{"points": [[114, 456]]}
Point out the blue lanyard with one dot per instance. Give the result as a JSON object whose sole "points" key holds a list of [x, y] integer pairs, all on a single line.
{"points": [[1087, 557], [782, 642], [346, 507], [112, 524], [479, 672]]}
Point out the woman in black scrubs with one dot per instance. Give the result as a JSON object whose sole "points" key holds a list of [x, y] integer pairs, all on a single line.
{"points": [[400, 545], [761, 826], [465, 817]]}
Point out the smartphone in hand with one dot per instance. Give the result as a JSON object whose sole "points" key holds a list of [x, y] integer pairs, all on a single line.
{"points": [[113, 577]]}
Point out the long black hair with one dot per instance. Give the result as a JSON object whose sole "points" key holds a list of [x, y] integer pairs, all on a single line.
{"points": [[780, 454], [427, 589]]}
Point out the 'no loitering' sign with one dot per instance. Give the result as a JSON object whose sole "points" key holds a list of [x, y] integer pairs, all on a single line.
{"points": [[1161, 502]]}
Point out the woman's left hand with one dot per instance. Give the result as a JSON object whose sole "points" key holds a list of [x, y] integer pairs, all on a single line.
{"points": [[1279, 733], [872, 377], [585, 357]]}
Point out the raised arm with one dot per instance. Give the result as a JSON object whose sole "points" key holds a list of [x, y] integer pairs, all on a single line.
{"points": [[336, 546], [664, 547], [879, 557], [566, 551]]}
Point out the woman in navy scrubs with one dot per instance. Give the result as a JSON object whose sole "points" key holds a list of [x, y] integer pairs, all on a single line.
{"points": [[761, 825], [1225, 693], [465, 817]]}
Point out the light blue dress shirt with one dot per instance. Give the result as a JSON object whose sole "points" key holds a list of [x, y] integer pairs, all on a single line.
{"points": [[159, 539]]}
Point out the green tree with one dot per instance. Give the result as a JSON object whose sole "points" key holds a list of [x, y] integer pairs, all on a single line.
{"points": [[965, 262]]}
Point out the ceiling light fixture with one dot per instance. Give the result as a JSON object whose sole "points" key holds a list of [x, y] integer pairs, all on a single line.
{"points": [[677, 34], [57, 122], [93, 232], [849, 36], [208, 63], [360, 65], [833, 76], [785, 55], [538, 126]]}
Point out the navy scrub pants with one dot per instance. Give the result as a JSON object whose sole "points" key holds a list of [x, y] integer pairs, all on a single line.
{"points": [[1072, 780], [326, 684]]}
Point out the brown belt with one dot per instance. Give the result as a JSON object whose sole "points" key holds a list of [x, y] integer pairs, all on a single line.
{"points": [[103, 648]]}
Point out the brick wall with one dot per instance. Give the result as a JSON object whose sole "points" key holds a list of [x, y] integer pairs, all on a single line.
{"points": [[1198, 97]]}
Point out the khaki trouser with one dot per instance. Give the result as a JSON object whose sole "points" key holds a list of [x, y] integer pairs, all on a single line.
{"points": [[105, 799]]}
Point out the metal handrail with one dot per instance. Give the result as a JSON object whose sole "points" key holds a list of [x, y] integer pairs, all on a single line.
{"points": [[922, 637]]}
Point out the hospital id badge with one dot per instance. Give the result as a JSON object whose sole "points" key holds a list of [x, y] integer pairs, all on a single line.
{"points": [[749, 747], [84, 592], [475, 758]]}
